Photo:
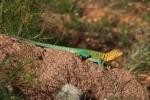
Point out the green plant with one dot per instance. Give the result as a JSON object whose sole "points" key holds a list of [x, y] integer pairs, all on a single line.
{"points": [[19, 17], [23, 17], [74, 24], [125, 37], [13, 72], [105, 27], [147, 16], [5, 94], [63, 6], [123, 4]]}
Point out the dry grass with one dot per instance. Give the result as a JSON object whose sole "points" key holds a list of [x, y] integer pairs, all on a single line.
{"points": [[138, 59]]}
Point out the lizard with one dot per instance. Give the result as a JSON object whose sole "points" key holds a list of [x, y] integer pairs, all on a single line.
{"points": [[94, 56]]}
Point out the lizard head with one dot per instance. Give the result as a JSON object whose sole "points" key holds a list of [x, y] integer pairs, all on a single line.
{"points": [[113, 54]]}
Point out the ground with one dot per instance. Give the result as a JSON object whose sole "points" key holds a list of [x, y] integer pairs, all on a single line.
{"points": [[40, 73]]}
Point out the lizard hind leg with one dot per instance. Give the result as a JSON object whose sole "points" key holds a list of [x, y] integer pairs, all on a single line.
{"points": [[84, 54]]}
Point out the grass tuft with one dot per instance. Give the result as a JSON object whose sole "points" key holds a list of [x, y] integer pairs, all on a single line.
{"points": [[14, 73], [125, 36], [19, 17], [138, 59]]}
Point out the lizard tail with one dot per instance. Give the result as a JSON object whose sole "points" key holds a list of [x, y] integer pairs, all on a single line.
{"points": [[50, 45]]}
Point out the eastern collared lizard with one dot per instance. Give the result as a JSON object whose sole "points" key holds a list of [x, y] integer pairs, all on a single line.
{"points": [[94, 56]]}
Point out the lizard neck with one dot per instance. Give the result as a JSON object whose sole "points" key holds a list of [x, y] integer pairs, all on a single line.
{"points": [[107, 57]]}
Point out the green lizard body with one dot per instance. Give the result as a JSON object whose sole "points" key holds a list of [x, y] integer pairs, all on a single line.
{"points": [[93, 56]]}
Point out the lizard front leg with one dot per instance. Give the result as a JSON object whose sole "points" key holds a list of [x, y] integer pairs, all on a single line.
{"points": [[99, 61], [84, 54]]}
